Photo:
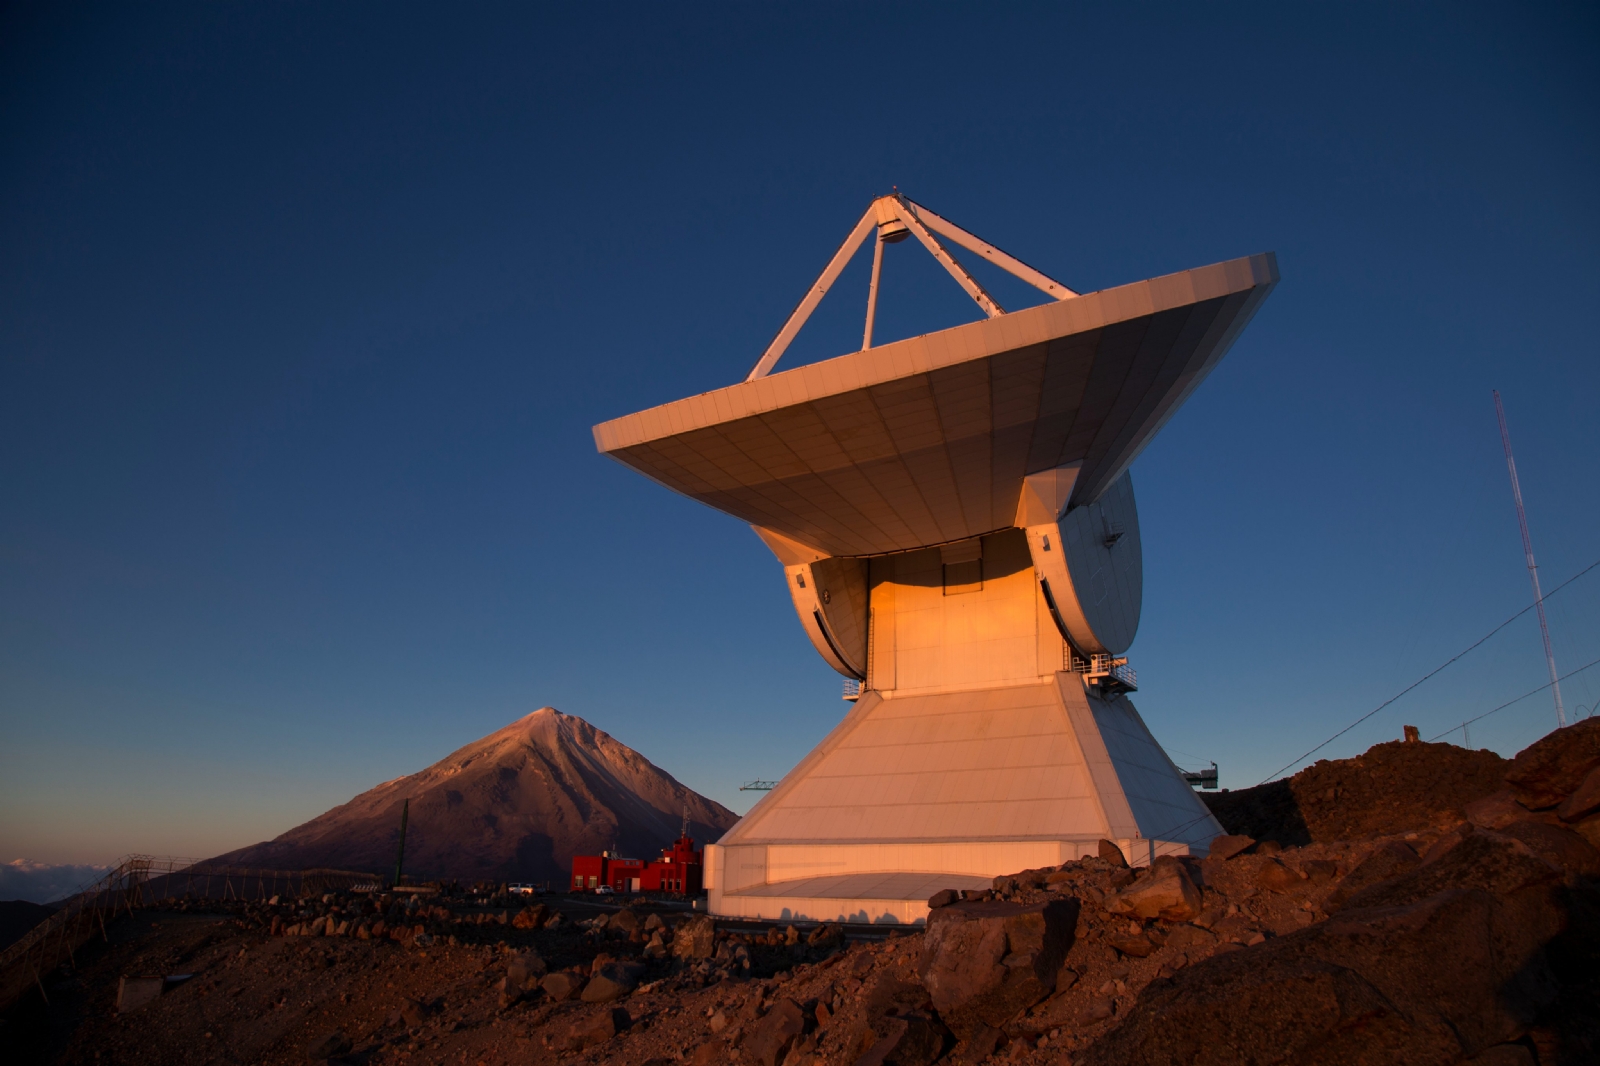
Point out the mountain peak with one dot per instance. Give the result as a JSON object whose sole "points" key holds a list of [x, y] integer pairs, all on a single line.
{"points": [[514, 805]]}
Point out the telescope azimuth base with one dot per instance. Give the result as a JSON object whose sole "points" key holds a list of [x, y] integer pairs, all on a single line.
{"points": [[912, 794]]}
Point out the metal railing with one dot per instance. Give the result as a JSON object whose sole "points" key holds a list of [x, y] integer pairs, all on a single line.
{"points": [[852, 689], [1106, 666]]}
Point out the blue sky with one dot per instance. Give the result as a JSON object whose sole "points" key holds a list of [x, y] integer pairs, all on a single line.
{"points": [[306, 312]]}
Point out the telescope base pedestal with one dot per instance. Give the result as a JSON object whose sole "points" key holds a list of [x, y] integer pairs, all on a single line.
{"points": [[917, 792]]}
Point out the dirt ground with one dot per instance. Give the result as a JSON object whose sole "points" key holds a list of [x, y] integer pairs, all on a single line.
{"points": [[257, 998], [391, 979]]}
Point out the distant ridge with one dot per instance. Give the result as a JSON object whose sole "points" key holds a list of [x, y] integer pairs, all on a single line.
{"points": [[516, 805]]}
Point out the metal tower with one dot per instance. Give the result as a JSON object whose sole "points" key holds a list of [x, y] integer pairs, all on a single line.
{"points": [[1533, 569]]}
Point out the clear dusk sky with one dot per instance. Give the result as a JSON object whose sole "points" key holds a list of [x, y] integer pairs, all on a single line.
{"points": [[306, 311]]}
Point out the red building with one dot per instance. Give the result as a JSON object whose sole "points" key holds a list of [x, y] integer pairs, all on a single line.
{"points": [[676, 871]]}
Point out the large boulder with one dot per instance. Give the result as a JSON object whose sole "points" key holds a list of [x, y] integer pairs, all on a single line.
{"points": [[1496, 863], [695, 939], [1163, 891], [330, 1046], [612, 980], [1435, 965], [1552, 768], [596, 1030], [1237, 1009], [914, 1038], [1389, 860], [777, 1031], [562, 986], [1390, 788], [1584, 801], [1227, 846], [1558, 845], [524, 971], [531, 917], [982, 962], [1496, 810]]}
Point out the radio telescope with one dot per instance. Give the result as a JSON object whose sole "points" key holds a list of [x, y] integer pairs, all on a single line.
{"points": [[957, 529]]}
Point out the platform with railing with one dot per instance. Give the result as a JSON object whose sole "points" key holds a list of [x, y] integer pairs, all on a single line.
{"points": [[1108, 675]]}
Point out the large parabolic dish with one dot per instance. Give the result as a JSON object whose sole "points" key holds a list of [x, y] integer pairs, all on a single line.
{"points": [[959, 537], [927, 440]]}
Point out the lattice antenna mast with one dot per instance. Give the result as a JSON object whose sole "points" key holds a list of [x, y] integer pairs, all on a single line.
{"points": [[1533, 569]]}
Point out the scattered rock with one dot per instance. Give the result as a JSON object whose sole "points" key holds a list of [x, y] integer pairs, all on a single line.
{"points": [[943, 898], [623, 922], [982, 962]]}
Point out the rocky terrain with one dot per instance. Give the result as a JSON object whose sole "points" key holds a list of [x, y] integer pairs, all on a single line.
{"points": [[514, 806], [1390, 788], [1467, 931]]}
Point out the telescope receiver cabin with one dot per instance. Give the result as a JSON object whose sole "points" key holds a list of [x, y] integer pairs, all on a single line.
{"points": [[958, 533]]}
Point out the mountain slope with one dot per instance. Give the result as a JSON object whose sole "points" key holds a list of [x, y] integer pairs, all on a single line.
{"points": [[516, 805]]}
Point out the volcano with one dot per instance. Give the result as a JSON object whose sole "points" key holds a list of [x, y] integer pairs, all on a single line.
{"points": [[516, 805]]}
